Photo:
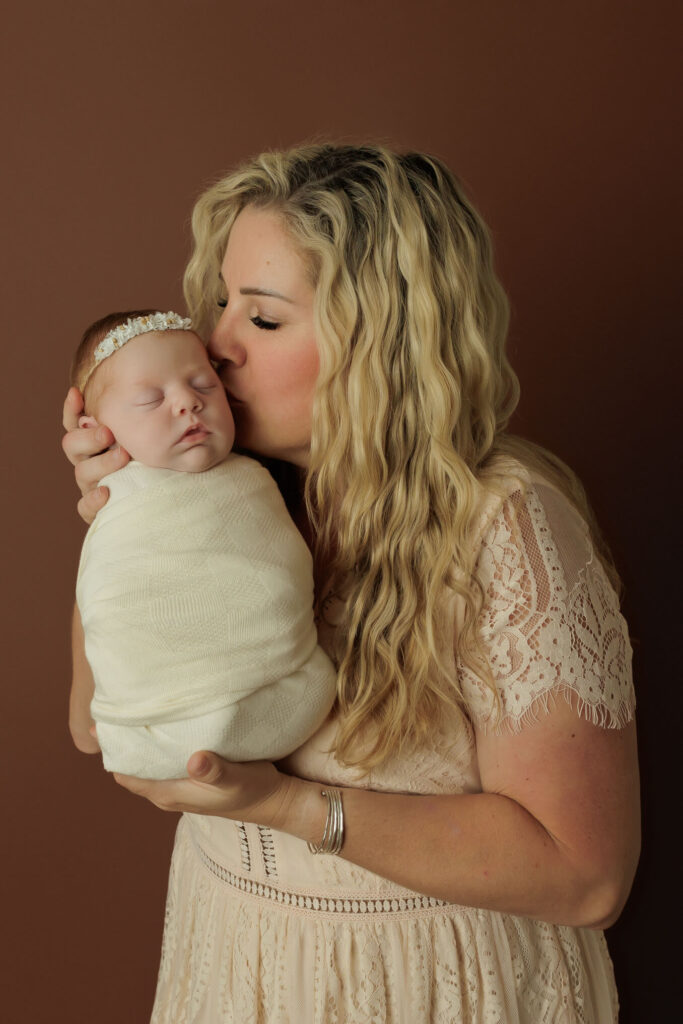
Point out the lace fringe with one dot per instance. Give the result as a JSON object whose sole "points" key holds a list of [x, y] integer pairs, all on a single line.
{"points": [[544, 703]]}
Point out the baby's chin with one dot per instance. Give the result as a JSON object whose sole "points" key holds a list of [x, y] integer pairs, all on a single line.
{"points": [[196, 459], [199, 458]]}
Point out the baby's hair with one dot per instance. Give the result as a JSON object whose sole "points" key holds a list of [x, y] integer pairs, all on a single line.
{"points": [[81, 375]]}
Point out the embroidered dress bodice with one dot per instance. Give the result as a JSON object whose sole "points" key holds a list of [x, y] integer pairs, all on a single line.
{"points": [[260, 930]]}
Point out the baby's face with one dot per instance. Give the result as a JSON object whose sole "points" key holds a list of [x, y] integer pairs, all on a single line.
{"points": [[164, 402]]}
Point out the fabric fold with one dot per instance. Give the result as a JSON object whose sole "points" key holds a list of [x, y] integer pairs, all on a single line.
{"points": [[196, 595]]}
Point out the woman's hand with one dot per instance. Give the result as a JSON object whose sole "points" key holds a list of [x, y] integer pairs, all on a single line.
{"points": [[86, 449], [252, 791]]}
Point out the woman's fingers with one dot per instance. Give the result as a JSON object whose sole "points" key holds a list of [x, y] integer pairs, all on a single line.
{"points": [[73, 407], [89, 471], [172, 794], [88, 448], [245, 791], [82, 443], [91, 503]]}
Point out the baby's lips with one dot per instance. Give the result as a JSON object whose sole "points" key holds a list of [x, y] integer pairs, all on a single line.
{"points": [[196, 428]]}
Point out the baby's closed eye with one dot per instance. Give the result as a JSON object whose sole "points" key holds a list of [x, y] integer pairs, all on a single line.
{"points": [[145, 398]]}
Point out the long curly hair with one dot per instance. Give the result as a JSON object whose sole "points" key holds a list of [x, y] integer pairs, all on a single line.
{"points": [[413, 399]]}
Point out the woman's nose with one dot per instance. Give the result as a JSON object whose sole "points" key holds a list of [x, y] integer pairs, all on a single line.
{"points": [[223, 346]]}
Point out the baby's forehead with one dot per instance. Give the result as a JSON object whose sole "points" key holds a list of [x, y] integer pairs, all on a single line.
{"points": [[164, 349], [174, 339]]}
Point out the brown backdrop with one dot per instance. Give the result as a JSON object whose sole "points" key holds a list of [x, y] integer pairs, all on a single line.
{"points": [[560, 118]]}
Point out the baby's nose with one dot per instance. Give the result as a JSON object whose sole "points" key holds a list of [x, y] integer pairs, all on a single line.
{"points": [[188, 401]]}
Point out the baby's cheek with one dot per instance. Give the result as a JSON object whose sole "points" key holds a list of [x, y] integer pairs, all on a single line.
{"points": [[151, 446]]}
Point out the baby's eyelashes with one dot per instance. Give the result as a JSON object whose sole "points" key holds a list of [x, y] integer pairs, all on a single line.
{"points": [[204, 383], [149, 399]]}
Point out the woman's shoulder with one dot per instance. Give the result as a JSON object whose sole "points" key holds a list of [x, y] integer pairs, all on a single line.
{"points": [[512, 493], [550, 618], [503, 483]]}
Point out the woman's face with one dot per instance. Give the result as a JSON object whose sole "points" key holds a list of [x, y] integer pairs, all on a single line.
{"points": [[265, 339]]}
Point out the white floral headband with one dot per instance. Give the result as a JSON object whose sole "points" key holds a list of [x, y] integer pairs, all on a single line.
{"points": [[134, 326]]}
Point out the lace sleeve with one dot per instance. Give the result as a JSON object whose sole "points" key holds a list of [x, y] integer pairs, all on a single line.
{"points": [[550, 623]]}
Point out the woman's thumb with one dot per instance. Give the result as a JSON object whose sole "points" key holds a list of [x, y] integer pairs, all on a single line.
{"points": [[205, 767]]}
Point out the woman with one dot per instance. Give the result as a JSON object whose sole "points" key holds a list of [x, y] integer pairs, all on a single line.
{"points": [[483, 746]]}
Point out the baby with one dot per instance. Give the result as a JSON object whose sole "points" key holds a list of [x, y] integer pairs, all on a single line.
{"points": [[195, 589]]}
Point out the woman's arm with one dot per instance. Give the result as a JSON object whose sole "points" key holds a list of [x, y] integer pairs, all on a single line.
{"points": [[84, 449], [555, 835], [82, 689]]}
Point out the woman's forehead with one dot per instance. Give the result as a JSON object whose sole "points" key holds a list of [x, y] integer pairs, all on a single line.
{"points": [[261, 257]]}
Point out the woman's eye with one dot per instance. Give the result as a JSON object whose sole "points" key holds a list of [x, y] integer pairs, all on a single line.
{"points": [[264, 325], [222, 303]]}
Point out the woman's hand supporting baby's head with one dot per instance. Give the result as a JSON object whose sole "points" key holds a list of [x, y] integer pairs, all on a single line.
{"points": [[90, 452]]}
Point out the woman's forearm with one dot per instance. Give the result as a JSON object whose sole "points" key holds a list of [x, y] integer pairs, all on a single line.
{"points": [[82, 689], [554, 835], [479, 850]]}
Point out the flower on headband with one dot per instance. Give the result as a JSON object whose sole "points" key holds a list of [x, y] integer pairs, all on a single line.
{"points": [[118, 337], [105, 348]]}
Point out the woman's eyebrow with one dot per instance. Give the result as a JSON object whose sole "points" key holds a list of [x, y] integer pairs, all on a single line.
{"points": [[259, 291], [265, 291]]}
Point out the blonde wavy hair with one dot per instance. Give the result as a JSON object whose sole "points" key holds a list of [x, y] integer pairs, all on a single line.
{"points": [[414, 396]]}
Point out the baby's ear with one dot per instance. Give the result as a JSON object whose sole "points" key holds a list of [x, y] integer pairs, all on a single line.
{"points": [[87, 421]]}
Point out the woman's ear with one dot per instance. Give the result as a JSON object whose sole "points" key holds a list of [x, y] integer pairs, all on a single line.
{"points": [[87, 421]]}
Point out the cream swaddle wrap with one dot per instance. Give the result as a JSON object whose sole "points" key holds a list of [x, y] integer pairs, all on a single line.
{"points": [[196, 595]]}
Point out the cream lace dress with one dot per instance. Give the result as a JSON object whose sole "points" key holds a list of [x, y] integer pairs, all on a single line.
{"points": [[259, 931]]}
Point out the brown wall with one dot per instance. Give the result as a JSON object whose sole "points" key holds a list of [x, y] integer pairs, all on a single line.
{"points": [[559, 116]]}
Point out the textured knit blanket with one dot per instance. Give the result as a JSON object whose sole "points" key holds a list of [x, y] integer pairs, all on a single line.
{"points": [[196, 595]]}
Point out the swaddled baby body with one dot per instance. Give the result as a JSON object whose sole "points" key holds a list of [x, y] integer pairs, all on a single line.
{"points": [[195, 589]]}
